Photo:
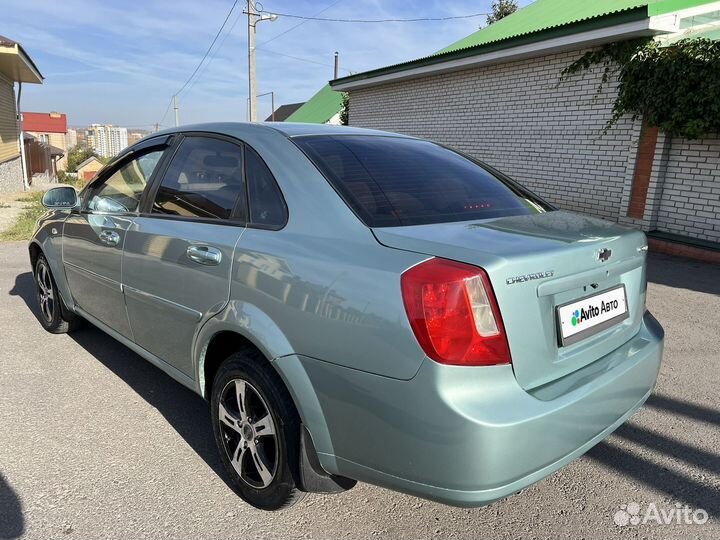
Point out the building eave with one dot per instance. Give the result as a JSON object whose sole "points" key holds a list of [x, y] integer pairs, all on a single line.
{"points": [[516, 49], [17, 66]]}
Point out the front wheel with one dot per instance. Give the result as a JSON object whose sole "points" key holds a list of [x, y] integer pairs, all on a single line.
{"points": [[257, 431], [53, 316]]}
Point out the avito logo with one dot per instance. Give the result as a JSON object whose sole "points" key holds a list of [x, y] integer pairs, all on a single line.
{"points": [[583, 314]]}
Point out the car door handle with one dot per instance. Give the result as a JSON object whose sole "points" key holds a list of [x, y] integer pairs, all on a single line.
{"points": [[111, 238], [206, 255]]}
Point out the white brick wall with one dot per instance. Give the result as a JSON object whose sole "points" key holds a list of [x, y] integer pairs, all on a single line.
{"points": [[516, 117], [690, 200], [549, 136]]}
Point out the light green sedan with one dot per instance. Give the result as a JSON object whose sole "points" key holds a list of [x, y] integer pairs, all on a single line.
{"points": [[357, 306]]}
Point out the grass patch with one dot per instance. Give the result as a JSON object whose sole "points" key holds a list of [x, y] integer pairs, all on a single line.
{"points": [[23, 228]]}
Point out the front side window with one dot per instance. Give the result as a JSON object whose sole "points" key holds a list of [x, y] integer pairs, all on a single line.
{"points": [[205, 180], [122, 191], [393, 181]]}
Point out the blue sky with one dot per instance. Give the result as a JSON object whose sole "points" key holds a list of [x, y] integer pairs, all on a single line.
{"points": [[120, 62]]}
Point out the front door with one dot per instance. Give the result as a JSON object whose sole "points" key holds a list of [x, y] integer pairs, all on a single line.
{"points": [[178, 253], [93, 238]]}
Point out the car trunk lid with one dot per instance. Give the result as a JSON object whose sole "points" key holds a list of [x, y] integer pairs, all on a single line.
{"points": [[537, 263]]}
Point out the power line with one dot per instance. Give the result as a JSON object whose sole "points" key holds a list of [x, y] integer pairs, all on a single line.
{"points": [[301, 59], [419, 19], [214, 53], [298, 24], [217, 35]]}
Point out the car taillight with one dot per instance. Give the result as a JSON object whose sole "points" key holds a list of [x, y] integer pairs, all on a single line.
{"points": [[454, 314]]}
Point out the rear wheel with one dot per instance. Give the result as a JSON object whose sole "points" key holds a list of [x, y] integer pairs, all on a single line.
{"points": [[53, 315], [257, 431]]}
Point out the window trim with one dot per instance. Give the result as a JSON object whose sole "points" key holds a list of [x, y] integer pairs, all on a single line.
{"points": [[236, 220], [513, 185], [146, 147], [286, 211]]}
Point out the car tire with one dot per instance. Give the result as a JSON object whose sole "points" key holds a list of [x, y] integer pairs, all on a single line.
{"points": [[54, 316], [259, 441]]}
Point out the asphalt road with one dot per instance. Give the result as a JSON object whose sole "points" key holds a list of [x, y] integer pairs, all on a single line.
{"points": [[97, 443]]}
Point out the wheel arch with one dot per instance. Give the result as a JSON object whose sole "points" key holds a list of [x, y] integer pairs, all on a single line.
{"points": [[241, 325]]}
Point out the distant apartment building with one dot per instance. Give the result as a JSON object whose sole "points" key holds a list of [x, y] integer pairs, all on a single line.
{"points": [[134, 137], [71, 137], [49, 129], [106, 139]]}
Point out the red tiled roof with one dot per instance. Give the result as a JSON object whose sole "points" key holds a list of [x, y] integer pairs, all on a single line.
{"points": [[44, 122]]}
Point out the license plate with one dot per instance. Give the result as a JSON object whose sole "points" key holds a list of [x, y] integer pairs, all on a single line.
{"points": [[582, 318]]}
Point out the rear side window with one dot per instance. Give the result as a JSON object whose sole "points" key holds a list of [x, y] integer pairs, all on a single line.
{"points": [[267, 207], [205, 179], [392, 181]]}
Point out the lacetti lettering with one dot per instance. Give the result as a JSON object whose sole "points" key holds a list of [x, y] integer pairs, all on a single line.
{"points": [[529, 277], [583, 314]]}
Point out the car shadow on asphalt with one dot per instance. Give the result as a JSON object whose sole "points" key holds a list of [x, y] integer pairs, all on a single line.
{"points": [[681, 273], [185, 411], [12, 523], [698, 491], [188, 414]]}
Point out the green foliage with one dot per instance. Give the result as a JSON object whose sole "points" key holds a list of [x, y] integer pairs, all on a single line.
{"points": [[345, 109], [70, 179], [76, 155], [675, 88], [24, 226], [501, 9]]}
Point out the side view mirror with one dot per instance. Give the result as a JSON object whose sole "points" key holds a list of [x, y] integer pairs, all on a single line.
{"points": [[60, 197]]}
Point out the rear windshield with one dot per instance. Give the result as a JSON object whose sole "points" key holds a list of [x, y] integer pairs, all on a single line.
{"points": [[392, 181]]}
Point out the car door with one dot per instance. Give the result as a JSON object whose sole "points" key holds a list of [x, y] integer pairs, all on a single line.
{"points": [[94, 236], [178, 252]]}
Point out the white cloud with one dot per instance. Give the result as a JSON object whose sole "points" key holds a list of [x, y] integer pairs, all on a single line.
{"points": [[122, 61]]}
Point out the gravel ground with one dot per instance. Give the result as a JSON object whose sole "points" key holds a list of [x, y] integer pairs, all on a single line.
{"points": [[97, 443]]}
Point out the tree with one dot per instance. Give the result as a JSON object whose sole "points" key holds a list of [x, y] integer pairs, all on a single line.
{"points": [[76, 155], [345, 109], [501, 9]]}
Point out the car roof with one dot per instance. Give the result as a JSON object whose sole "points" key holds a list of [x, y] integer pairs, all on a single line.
{"points": [[289, 129]]}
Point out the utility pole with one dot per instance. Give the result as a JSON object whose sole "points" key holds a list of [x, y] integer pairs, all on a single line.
{"points": [[253, 19], [157, 127], [337, 65], [177, 112], [251, 60]]}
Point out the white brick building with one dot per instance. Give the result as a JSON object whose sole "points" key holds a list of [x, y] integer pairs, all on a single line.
{"points": [[502, 101]]}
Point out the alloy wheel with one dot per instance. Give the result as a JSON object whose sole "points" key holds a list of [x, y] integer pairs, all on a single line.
{"points": [[248, 433], [46, 292]]}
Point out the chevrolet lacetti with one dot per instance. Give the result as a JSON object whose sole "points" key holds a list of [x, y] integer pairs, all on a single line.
{"points": [[357, 305]]}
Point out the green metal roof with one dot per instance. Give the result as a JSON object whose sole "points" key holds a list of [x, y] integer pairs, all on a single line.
{"points": [[543, 19], [542, 15], [320, 108]]}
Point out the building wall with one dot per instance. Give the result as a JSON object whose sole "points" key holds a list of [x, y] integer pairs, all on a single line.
{"points": [[548, 135], [58, 140], [88, 171], [519, 118], [11, 175], [9, 146], [689, 204]]}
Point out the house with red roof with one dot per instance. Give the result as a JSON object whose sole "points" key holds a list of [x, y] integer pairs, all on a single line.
{"points": [[49, 129]]}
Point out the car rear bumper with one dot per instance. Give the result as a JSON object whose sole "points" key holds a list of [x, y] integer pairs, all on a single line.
{"points": [[468, 436]]}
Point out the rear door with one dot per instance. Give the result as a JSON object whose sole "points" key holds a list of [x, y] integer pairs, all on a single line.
{"points": [[93, 238], [179, 251]]}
